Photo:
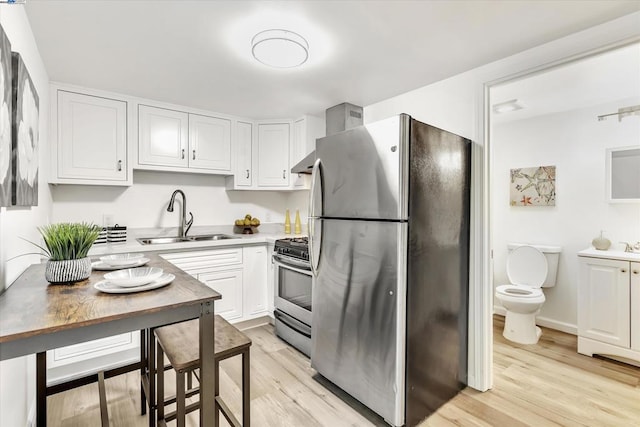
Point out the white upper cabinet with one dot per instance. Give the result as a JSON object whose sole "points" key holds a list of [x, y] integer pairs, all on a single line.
{"points": [[273, 154], [209, 143], [244, 142], [305, 132], [162, 138], [89, 139], [174, 140]]}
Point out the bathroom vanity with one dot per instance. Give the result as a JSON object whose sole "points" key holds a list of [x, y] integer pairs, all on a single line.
{"points": [[609, 304]]}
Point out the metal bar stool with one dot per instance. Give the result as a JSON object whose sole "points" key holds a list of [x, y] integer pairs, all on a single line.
{"points": [[180, 344]]}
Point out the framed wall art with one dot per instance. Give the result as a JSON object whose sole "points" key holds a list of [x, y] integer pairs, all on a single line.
{"points": [[5, 120], [25, 121], [535, 186]]}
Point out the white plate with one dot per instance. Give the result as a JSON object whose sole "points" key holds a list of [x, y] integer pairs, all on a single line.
{"points": [[134, 276], [124, 260], [99, 265], [110, 288]]}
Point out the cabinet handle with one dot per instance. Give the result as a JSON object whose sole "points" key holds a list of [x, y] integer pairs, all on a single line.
{"points": [[636, 272], [183, 154], [119, 165], [284, 176], [623, 270], [194, 154], [247, 173]]}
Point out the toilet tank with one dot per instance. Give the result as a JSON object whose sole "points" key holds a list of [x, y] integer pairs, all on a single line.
{"points": [[551, 253]]}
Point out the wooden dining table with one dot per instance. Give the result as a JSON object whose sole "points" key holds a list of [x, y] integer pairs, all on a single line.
{"points": [[36, 316]]}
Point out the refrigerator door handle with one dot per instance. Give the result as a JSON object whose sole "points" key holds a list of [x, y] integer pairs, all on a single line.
{"points": [[316, 176]]}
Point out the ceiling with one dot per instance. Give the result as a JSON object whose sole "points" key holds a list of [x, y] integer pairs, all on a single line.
{"points": [[612, 76], [197, 53]]}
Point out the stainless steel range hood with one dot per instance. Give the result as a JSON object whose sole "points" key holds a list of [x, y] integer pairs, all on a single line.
{"points": [[338, 118]]}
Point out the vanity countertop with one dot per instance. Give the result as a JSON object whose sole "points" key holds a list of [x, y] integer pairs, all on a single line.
{"points": [[619, 255]]}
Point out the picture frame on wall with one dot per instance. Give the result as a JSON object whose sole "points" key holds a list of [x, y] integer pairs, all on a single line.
{"points": [[533, 186], [6, 142], [25, 128]]}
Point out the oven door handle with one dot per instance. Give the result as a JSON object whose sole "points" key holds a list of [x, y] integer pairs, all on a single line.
{"points": [[286, 264]]}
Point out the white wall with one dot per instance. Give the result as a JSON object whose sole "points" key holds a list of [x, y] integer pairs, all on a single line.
{"points": [[145, 203], [575, 142], [17, 379]]}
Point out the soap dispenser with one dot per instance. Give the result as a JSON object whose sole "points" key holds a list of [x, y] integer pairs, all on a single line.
{"points": [[601, 243]]}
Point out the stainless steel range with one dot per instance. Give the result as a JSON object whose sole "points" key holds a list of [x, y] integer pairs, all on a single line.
{"points": [[293, 281]]}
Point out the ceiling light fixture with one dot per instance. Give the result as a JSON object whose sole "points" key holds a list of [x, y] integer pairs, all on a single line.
{"points": [[505, 107], [280, 48]]}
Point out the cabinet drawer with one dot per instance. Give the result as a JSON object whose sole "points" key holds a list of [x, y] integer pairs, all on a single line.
{"points": [[193, 262]]}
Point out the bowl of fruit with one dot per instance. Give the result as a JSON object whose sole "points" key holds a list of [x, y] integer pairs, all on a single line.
{"points": [[246, 225]]}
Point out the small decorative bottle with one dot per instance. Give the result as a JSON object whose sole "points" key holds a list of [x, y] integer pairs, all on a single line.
{"points": [[287, 223], [298, 225]]}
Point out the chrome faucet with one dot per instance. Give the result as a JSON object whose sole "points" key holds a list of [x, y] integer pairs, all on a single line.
{"points": [[627, 247], [183, 229]]}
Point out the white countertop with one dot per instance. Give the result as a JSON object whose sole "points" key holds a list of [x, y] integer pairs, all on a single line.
{"points": [[620, 255], [267, 233]]}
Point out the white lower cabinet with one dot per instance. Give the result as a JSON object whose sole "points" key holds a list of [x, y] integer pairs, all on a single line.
{"points": [[609, 307], [85, 358], [228, 283], [239, 274]]}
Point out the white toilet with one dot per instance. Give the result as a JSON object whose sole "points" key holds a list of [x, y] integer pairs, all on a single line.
{"points": [[529, 268]]}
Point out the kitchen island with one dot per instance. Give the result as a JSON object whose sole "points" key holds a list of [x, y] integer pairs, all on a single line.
{"points": [[36, 316]]}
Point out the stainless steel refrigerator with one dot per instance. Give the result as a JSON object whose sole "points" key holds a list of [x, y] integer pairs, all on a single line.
{"points": [[389, 248]]}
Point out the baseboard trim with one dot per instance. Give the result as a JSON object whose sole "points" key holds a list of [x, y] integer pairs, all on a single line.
{"points": [[557, 325], [253, 323], [544, 321]]}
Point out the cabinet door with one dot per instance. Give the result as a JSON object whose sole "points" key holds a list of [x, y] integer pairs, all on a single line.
{"points": [[244, 135], [603, 301], [229, 285], [92, 137], [255, 280], [162, 137], [209, 143], [635, 306], [273, 155]]}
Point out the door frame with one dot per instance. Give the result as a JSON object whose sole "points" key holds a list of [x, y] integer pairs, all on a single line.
{"points": [[611, 35]]}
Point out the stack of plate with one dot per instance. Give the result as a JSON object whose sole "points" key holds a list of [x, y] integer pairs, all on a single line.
{"points": [[134, 280], [118, 261]]}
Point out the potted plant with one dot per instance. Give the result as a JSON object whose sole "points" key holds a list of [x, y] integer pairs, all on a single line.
{"points": [[66, 246]]}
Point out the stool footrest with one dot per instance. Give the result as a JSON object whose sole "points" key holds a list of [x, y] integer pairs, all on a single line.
{"points": [[227, 412], [170, 416]]}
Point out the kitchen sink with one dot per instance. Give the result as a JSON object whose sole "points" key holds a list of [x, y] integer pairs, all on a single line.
{"points": [[163, 240], [210, 237]]}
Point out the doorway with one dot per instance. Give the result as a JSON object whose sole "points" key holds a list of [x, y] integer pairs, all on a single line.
{"points": [[550, 119]]}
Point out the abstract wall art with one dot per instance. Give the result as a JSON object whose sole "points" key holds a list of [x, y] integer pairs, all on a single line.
{"points": [[25, 121], [5, 120], [535, 186]]}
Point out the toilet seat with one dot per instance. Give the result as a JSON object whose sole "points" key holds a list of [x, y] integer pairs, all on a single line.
{"points": [[519, 291]]}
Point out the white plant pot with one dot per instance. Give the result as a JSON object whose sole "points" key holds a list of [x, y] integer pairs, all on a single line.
{"points": [[68, 271]]}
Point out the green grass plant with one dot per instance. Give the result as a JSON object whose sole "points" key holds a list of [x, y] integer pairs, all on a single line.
{"points": [[65, 241]]}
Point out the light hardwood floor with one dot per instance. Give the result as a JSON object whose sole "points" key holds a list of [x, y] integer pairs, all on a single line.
{"points": [[546, 384]]}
